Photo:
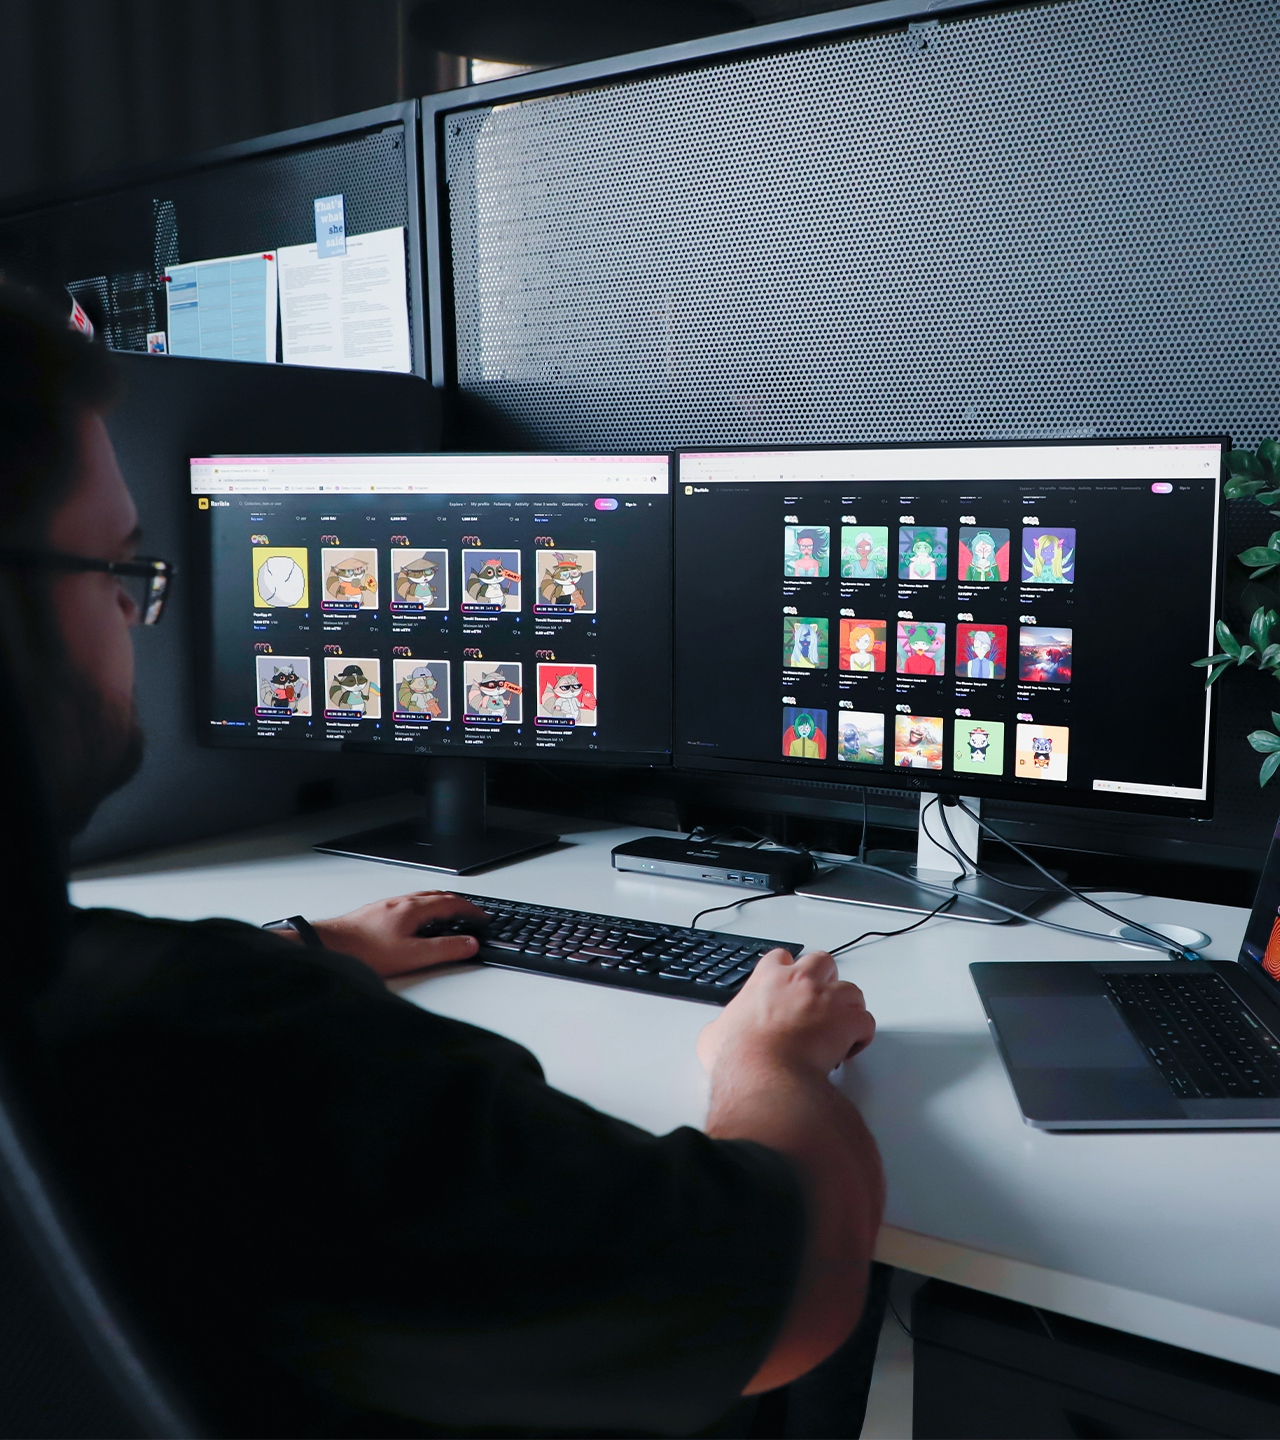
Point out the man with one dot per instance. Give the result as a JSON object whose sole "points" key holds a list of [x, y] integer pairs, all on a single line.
{"points": [[339, 1213]]}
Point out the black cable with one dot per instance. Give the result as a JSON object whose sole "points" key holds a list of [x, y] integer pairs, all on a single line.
{"points": [[1163, 940], [977, 869], [947, 902], [746, 900], [862, 843]]}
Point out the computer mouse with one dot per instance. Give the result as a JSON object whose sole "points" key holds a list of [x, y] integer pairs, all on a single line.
{"points": [[454, 925]]}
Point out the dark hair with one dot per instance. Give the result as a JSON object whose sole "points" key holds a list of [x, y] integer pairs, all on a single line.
{"points": [[50, 375]]}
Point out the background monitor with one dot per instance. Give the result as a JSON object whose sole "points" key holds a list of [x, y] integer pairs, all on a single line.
{"points": [[438, 604], [1016, 621]]}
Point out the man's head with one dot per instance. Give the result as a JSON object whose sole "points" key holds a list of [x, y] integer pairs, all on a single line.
{"points": [[61, 490]]}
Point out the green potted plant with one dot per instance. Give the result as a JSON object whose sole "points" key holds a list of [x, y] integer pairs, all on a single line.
{"points": [[1255, 475]]}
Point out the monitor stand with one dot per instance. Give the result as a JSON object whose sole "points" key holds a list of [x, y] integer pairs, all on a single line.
{"points": [[452, 835], [857, 885]]}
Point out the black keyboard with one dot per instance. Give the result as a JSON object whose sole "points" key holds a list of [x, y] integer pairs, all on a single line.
{"points": [[1201, 1035], [608, 950]]}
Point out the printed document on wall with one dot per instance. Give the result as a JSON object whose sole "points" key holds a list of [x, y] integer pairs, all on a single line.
{"points": [[223, 309], [351, 311]]}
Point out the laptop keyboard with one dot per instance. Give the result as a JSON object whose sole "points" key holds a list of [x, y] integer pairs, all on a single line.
{"points": [[1200, 1034], [610, 950]]}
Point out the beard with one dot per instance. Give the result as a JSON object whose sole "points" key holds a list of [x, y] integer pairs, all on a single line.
{"points": [[100, 749]]}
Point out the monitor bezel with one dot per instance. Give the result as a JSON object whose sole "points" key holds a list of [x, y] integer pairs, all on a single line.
{"points": [[211, 738], [937, 782]]}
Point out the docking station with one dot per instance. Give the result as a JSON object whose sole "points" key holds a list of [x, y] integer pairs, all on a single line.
{"points": [[738, 865]]}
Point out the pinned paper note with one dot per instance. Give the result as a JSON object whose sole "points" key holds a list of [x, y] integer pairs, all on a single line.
{"points": [[223, 309], [331, 227], [350, 312]]}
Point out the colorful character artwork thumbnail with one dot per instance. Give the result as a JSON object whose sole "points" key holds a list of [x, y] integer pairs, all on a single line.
{"points": [[420, 579], [804, 733], [862, 646], [494, 692], [806, 551], [422, 689], [982, 651], [864, 552], [567, 695], [491, 580], [284, 684], [922, 649], [984, 556], [350, 578], [917, 742], [1040, 752], [280, 577], [922, 552], [1044, 654], [353, 688], [1271, 955], [861, 737], [977, 747], [566, 579], [1048, 557], [804, 643]]}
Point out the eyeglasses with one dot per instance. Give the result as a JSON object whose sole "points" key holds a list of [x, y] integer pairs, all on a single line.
{"points": [[145, 579]]}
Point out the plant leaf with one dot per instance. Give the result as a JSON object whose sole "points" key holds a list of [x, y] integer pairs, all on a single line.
{"points": [[1260, 624], [1217, 674], [1243, 462], [1258, 555], [1218, 659], [1263, 570], [1227, 640], [1275, 720], [1270, 658], [1247, 652], [1266, 742], [1240, 487], [1269, 767], [1269, 454], [1267, 497]]}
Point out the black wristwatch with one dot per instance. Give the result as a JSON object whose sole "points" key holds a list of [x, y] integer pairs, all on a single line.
{"points": [[302, 927]]}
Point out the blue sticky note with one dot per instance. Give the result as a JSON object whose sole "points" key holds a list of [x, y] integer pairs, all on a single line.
{"points": [[331, 227]]}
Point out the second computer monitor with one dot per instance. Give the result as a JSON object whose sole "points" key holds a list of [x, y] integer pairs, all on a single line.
{"points": [[1014, 621], [471, 605]]}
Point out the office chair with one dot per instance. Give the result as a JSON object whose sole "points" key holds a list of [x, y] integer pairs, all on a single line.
{"points": [[69, 1364]]}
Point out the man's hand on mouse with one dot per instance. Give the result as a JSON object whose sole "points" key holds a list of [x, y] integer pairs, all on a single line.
{"points": [[795, 1012], [385, 934]]}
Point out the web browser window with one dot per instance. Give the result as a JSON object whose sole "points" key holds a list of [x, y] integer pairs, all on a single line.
{"points": [[438, 603], [1005, 619]]}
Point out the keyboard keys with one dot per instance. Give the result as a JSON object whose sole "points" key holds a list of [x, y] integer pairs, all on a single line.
{"points": [[661, 959], [1200, 1035]]}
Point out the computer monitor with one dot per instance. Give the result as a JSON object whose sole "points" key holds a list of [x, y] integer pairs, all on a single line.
{"points": [[454, 606], [1014, 621]]}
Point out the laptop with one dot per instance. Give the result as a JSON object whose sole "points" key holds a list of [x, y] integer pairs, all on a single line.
{"points": [[1146, 1044]]}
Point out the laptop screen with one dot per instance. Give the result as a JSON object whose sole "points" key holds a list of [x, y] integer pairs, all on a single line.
{"points": [[1261, 948]]}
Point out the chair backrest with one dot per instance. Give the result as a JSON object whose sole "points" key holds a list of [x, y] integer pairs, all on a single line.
{"points": [[69, 1365]]}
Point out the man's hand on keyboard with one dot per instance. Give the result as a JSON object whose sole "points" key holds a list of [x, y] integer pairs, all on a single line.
{"points": [[798, 1011], [385, 934]]}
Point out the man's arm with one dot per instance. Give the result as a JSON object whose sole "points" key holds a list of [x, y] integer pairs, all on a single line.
{"points": [[769, 1055]]}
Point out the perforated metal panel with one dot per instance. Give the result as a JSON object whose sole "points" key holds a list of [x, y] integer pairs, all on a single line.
{"points": [[1055, 219], [113, 244]]}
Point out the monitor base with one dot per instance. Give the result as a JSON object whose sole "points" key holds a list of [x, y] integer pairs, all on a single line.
{"points": [[452, 835], [415, 842], [857, 885]]}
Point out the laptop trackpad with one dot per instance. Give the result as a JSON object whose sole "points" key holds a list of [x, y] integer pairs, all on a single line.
{"points": [[1063, 1032]]}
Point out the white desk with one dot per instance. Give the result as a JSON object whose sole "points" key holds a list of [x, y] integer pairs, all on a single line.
{"points": [[1166, 1235]]}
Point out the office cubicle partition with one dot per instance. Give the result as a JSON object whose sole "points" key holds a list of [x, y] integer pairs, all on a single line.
{"points": [[111, 240], [898, 221]]}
